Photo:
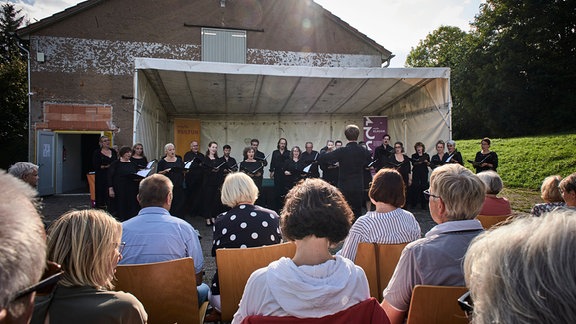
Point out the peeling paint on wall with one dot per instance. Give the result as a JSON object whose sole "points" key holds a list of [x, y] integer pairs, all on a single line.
{"points": [[106, 57]]}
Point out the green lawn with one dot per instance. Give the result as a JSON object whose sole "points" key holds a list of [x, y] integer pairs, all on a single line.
{"points": [[525, 161]]}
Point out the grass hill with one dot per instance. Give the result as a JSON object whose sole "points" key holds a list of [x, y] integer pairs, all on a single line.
{"points": [[525, 161]]}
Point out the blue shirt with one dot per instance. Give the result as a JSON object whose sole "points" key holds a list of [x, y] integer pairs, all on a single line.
{"points": [[154, 236]]}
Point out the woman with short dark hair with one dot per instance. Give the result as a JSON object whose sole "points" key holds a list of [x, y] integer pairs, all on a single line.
{"points": [[389, 223], [314, 283]]}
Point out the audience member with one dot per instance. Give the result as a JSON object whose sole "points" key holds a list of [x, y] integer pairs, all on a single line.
{"points": [[389, 224], [455, 199], [25, 171], [244, 225], [550, 193], [314, 283], [568, 190], [493, 205], [154, 235], [524, 272], [22, 249], [87, 245]]}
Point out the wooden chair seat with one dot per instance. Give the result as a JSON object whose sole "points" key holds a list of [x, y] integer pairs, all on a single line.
{"points": [[235, 267], [378, 262], [436, 305], [166, 289], [490, 221]]}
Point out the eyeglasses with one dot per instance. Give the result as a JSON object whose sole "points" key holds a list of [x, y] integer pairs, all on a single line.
{"points": [[121, 247], [51, 276], [427, 194], [466, 303]]}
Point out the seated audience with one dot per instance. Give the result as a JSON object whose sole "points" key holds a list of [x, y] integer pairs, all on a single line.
{"points": [[25, 171], [154, 235], [87, 245], [550, 193], [455, 199], [245, 225], [568, 190], [314, 283], [22, 249], [524, 272], [493, 205], [389, 223]]}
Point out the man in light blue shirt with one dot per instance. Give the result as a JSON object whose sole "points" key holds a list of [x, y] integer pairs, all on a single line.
{"points": [[154, 235]]}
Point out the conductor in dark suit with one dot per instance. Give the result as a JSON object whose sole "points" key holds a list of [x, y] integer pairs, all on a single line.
{"points": [[352, 158]]}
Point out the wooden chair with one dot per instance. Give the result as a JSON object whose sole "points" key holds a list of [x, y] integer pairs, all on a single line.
{"points": [[436, 305], [166, 289], [490, 221], [378, 262], [235, 267]]}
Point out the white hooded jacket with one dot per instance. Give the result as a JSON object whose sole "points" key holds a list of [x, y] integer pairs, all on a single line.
{"points": [[284, 289]]}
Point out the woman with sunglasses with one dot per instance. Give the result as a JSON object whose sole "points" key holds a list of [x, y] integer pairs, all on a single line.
{"points": [[86, 243]]}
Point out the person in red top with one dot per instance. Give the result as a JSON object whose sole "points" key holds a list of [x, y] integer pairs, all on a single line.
{"points": [[493, 205]]}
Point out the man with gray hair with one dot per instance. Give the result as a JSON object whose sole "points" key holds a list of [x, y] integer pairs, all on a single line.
{"points": [[25, 171], [455, 198], [22, 249]]}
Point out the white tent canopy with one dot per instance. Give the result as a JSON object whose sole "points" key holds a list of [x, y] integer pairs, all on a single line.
{"points": [[236, 102]]}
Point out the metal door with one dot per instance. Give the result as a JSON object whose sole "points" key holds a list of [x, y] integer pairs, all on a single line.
{"points": [[45, 156]]}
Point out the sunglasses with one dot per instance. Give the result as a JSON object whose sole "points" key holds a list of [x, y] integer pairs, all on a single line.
{"points": [[466, 304], [51, 276]]}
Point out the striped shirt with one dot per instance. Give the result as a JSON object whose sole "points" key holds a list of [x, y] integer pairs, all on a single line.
{"points": [[397, 226]]}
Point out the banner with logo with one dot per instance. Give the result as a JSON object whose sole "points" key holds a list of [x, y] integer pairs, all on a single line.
{"points": [[185, 131], [374, 128]]}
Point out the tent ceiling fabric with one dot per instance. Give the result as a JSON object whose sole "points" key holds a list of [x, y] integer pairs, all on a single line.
{"points": [[188, 88]]}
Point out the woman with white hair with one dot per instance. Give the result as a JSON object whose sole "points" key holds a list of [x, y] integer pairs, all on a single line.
{"points": [[550, 193], [523, 272], [87, 244], [25, 171], [494, 205], [244, 225], [172, 166], [453, 155]]}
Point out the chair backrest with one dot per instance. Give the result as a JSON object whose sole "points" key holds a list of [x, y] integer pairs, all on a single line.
{"points": [[436, 305], [378, 262], [166, 289], [368, 311], [490, 221], [235, 267]]}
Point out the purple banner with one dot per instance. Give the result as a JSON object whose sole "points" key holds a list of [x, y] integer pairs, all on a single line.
{"points": [[374, 128]]}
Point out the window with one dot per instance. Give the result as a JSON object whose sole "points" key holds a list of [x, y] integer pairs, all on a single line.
{"points": [[223, 45]]}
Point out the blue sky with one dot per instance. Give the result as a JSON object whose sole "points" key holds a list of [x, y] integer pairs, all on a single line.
{"points": [[398, 25]]}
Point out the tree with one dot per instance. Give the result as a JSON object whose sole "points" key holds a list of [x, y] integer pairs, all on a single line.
{"points": [[13, 91], [444, 47]]}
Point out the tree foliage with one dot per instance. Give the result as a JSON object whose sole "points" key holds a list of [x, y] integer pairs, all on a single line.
{"points": [[516, 72], [13, 91]]}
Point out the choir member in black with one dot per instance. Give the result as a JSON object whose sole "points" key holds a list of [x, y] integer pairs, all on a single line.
{"points": [[231, 164], [330, 168], [352, 158], [420, 162], [101, 160], [194, 180], [486, 159], [440, 157], [453, 155], [252, 167], [401, 162], [258, 155], [293, 168], [383, 153], [172, 166], [138, 156], [279, 155], [337, 144], [123, 185], [213, 179], [310, 157], [367, 178]]}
